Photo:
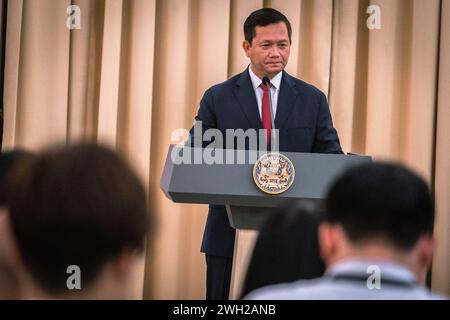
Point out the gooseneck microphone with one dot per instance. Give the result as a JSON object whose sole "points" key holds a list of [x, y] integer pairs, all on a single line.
{"points": [[266, 82]]}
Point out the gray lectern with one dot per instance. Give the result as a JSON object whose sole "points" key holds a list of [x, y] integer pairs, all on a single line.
{"points": [[225, 176]]}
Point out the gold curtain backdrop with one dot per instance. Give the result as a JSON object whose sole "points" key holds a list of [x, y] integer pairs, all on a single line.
{"points": [[136, 71]]}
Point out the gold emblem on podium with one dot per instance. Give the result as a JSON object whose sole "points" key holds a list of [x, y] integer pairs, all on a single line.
{"points": [[273, 173]]}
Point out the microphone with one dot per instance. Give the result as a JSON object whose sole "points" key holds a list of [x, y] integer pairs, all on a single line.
{"points": [[266, 82]]}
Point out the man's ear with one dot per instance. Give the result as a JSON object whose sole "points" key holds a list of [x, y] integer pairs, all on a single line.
{"points": [[333, 243], [122, 263], [426, 247], [325, 241], [420, 256], [246, 46]]}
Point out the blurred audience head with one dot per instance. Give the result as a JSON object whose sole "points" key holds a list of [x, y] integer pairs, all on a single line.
{"points": [[7, 161], [379, 210], [9, 278], [287, 248], [79, 219]]}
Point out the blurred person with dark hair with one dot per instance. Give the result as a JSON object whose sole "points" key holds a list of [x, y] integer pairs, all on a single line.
{"points": [[7, 161], [287, 248], [376, 238], [9, 278], [78, 207]]}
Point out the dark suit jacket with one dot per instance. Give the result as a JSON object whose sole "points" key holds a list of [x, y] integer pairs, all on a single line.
{"points": [[303, 119]]}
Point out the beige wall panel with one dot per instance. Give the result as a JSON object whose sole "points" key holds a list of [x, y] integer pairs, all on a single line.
{"points": [[417, 145], [12, 69], [212, 46], [240, 10], [94, 69], [169, 103], [136, 104], [79, 72], [441, 262], [358, 139], [382, 69], [315, 42], [110, 72], [243, 249], [343, 65], [44, 74]]}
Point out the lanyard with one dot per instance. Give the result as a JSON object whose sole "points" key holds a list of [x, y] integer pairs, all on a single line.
{"points": [[364, 278]]}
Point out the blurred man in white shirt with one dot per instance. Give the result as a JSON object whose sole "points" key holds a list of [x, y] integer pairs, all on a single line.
{"points": [[376, 239]]}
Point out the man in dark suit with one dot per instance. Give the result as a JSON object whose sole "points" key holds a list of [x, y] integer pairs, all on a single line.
{"points": [[301, 115]]}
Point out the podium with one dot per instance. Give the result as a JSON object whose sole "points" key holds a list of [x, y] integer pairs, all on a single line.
{"points": [[230, 183], [225, 177]]}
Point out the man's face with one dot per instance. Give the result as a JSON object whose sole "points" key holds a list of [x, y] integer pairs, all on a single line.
{"points": [[269, 50]]}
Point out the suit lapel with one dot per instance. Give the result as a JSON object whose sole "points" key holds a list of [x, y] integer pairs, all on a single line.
{"points": [[247, 100], [287, 96]]}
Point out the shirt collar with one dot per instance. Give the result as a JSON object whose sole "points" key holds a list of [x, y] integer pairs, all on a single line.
{"points": [[256, 81], [360, 266]]}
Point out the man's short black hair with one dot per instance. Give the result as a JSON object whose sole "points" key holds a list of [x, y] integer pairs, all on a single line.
{"points": [[264, 17], [381, 201], [80, 205]]}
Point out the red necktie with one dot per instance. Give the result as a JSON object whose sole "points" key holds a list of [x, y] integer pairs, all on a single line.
{"points": [[267, 123]]}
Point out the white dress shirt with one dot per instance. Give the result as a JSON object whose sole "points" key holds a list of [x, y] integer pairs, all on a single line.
{"points": [[274, 90], [347, 280]]}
